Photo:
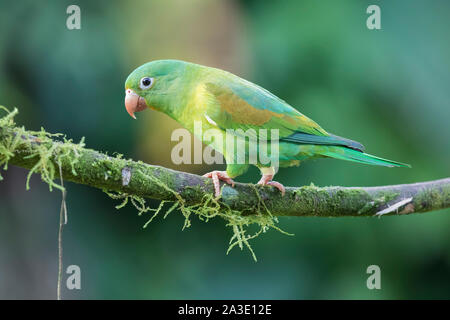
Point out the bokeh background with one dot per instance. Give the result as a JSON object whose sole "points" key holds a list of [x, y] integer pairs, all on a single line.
{"points": [[388, 89]]}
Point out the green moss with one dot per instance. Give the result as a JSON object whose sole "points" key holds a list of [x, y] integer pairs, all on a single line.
{"points": [[315, 200], [387, 196], [335, 201], [432, 199], [311, 198], [207, 209], [373, 205], [50, 154]]}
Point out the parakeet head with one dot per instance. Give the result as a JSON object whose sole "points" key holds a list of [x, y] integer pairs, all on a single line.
{"points": [[153, 85]]}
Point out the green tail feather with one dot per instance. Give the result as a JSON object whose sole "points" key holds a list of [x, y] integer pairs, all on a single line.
{"points": [[361, 157]]}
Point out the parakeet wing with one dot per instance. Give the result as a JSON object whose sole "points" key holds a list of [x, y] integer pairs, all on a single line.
{"points": [[247, 106], [244, 105]]}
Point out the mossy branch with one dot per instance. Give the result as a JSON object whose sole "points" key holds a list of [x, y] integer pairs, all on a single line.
{"points": [[113, 173]]}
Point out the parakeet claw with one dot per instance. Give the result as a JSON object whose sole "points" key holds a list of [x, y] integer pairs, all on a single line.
{"points": [[266, 180], [216, 176]]}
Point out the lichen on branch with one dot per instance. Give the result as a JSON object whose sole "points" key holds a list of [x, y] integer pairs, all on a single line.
{"points": [[38, 148], [245, 204], [48, 154]]}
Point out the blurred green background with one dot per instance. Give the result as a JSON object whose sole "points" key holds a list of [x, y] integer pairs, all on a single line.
{"points": [[388, 89]]}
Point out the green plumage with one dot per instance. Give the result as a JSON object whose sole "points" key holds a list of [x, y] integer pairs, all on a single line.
{"points": [[220, 100]]}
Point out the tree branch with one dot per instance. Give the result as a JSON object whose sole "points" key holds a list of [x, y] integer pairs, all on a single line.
{"points": [[96, 169]]}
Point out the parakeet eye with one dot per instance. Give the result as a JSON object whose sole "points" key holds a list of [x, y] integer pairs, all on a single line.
{"points": [[146, 83]]}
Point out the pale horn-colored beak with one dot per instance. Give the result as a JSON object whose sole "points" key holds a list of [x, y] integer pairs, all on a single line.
{"points": [[134, 102]]}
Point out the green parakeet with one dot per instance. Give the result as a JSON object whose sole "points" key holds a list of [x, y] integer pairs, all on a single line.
{"points": [[221, 101]]}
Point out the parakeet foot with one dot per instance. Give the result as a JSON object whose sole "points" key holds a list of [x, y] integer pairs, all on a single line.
{"points": [[266, 180], [216, 176]]}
